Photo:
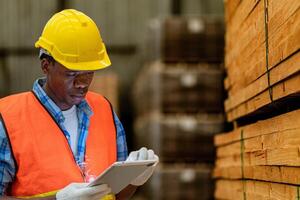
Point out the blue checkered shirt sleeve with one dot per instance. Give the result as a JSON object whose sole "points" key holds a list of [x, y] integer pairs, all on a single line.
{"points": [[122, 151], [7, 165]]}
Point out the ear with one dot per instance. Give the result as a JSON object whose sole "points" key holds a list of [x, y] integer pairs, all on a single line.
{"points": [[45, 65]]}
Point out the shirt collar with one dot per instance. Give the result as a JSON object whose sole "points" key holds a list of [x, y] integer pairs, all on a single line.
{"points": [[51, 106]]}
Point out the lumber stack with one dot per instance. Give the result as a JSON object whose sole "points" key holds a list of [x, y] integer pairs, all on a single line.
{"points": [[107, 84], [193, 39], [179, 88], [180, 138], [259, 158], [177, 182], [178, 98], [262, 54], [263, 155]]}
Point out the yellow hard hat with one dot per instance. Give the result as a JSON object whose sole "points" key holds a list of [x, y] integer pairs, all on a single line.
{"points": [[73, 39]]}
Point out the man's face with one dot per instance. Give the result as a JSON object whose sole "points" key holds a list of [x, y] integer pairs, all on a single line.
{"points": [[65, 87]]}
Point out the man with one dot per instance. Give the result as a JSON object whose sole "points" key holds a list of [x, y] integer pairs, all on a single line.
{"points": [[58, 137]]}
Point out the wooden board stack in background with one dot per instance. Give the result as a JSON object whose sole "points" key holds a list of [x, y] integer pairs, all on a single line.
{"points": [[107, 85], [179, 88], [180, 138], [178, 98], [178, 182], [260, 158], [192, 39]]}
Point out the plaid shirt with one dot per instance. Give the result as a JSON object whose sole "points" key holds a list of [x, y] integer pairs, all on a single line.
{"points": [[7, 165]]}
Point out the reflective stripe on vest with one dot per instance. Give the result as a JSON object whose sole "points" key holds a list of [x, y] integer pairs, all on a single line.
{"points": [[44, 159]]}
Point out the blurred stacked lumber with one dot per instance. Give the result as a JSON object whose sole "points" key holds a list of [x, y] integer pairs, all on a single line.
{"points": [[194, 39], [107, 85], [260, 158], [192, 182], [189, 39], [179, 88], [180, 138], [178, 98]]}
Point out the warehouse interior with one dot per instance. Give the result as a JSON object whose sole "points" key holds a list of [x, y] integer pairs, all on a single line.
{"points": [[211, 86]]}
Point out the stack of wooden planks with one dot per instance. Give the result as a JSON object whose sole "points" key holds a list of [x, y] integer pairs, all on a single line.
{"points": [[262, 54], [192, 39], [180, 181], [107, 84], [180, 138], [260, 158], [179, 88]]}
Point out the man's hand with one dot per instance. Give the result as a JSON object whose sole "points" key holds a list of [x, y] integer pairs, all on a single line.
{"points": [[80, 191], [143, 154]]}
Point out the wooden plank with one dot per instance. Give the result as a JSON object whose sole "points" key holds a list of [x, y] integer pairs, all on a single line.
{"points": [[275, 140], [279, 174], [230, 8], [279, 12], [243, 11], [276, 74], [247, 38], [279, 90], [288, 156], [234, 189], [287, 121], [285, 40]]}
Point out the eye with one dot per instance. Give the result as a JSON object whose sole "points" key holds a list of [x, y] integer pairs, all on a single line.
{"points": [[71, 74], [90, 73]]}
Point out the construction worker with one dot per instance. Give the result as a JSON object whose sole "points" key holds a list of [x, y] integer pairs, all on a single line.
{"points": [[59, 136]]}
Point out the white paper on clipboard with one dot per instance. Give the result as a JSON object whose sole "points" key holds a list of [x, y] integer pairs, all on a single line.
{"points": [[121, 174]]}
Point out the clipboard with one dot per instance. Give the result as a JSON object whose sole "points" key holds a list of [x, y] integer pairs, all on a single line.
{"points": [[121, 174]]}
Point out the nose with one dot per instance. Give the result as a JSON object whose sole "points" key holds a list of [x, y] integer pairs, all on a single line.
{"points": [[83, 80]]}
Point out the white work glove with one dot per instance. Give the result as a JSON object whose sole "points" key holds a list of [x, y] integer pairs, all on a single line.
{"points": [[143, 154], [80, 191]]}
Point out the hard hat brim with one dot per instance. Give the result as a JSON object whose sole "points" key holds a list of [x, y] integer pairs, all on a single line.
{"points": [[87, 66], [80, 66]]}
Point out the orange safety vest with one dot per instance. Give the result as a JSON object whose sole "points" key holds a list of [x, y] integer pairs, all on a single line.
{"points": [[44, 159]]}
